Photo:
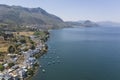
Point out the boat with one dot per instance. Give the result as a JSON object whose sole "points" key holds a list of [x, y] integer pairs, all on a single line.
{"points": [[40, 66], [43, 70]]}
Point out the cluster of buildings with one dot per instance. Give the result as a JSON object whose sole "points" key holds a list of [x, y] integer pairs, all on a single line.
{"points": [[19, 70]]}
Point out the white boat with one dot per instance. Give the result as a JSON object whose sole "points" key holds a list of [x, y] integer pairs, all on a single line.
{"points": [[43, 70]]}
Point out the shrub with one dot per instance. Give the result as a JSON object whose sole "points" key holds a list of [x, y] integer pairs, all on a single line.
{"points": [[11, 64], [11, 49], [1, 67]]}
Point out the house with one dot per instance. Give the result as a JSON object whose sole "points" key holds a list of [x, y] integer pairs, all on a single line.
{"points": [[27, 54], [10, 70], [5, 65], [29, 63], [14, 75], [35, 51], [5, 76], [15, 67], [22, 73], [30, 52], [1, 76], [32, 60]]}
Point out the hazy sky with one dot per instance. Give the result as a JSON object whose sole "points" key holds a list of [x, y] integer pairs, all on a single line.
{"points": [[73, 10]]}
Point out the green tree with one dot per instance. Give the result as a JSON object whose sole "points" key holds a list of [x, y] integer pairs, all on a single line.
{"points": [[11, 49], [1, 67], [23, 41], [26, 49], [30, 72], [32, 42], [32, 47], [11, 64]]}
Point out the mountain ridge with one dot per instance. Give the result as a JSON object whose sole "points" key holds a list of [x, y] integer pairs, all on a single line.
{"points": [[32, 17]]}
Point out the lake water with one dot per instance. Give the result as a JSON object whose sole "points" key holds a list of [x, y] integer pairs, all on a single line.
{"points": [[82, 54]]}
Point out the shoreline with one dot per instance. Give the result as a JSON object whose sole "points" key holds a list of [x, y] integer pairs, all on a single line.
{"points": [[43, 51], [35, 71]]}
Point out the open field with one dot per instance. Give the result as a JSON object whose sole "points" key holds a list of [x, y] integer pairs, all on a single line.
{"points": [[3, 49], [4, 46], [24, 33]]}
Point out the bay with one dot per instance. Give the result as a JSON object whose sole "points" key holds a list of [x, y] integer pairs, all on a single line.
{"points": [[82, 54]]}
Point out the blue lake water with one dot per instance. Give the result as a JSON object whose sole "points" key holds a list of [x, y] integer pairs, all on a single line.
{"points": [[82, 54]]}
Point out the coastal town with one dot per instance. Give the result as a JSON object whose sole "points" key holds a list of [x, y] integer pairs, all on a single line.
{"points": [[19, 52]]}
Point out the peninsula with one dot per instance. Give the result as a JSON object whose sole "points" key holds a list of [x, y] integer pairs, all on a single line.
{"points": [[19, 52]]}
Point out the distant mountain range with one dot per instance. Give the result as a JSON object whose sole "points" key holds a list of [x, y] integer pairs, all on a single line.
{"points": [[86, 23], [89, 23]]}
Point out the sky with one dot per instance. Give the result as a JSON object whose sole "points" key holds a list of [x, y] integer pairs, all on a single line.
{"points": [[74, 10]]}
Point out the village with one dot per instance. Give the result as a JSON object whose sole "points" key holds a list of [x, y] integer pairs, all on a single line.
{"points": [[19, 52]]}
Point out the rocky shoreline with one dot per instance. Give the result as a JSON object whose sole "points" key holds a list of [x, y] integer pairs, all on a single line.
{"points": [[43, 51], [37, 68]]}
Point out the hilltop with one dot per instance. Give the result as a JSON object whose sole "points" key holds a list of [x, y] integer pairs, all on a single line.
{"points": [[17, 16]]}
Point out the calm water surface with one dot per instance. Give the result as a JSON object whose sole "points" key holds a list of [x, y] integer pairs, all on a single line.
{"points": [[82, 54]]}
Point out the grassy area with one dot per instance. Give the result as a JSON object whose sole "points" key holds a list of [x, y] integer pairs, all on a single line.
{"points": [[4, 49], [24, 33], [39, 33], [4, 46]]}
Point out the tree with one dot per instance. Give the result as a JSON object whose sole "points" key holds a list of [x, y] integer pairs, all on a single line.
{"points": [[11, 49], [32, 42], [1, 67], [23, 41], [32, 47], [30, 72], [11, 64]]}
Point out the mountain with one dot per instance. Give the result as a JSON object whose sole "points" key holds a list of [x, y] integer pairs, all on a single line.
{"points": [[30, 17], [108, 23], [86, 23]]}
